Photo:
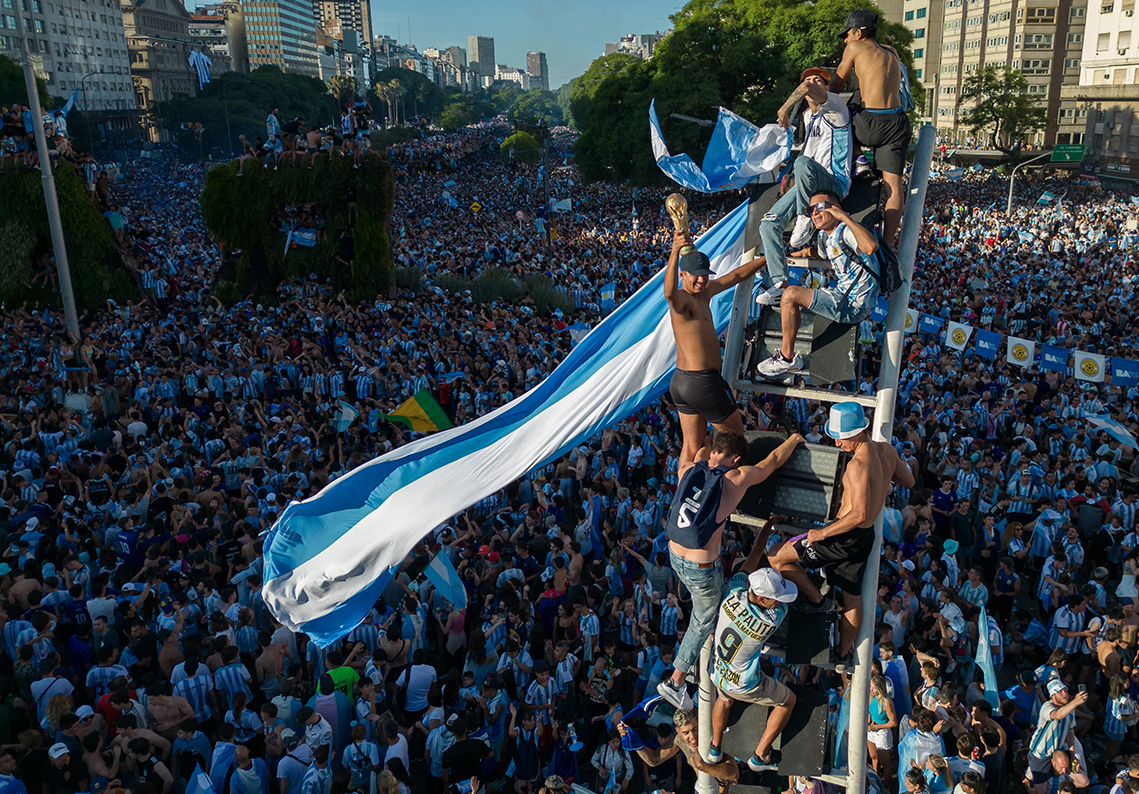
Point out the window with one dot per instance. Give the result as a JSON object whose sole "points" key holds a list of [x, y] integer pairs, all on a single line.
{"points": [[1037, 41], [921, 13], [1042, 16], [1037, 90], [1071, 63], [919, 33], [909, 16], [1076, 12], [1075, 38], [918, 73], [1036, 66], [973, 22], [1107, 8], [1103, 42]]}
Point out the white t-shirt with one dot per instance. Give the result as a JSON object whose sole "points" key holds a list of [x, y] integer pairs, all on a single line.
{"points": [[418, 681]]}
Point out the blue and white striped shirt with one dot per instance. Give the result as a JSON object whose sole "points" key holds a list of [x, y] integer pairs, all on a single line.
{"points": [[196, 690], [231, 679], [1050, 733]]}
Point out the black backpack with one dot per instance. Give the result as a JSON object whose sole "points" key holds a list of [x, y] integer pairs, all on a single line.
{"points": [[889, 273]]}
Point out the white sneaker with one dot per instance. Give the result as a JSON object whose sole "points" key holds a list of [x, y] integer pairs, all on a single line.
{"points": [[803, 232], [676, 694], [777, 366], [771, 296]]}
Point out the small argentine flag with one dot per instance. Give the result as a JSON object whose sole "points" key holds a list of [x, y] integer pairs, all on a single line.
{"points": [[442, 574], [609, 295], [345, 416]]}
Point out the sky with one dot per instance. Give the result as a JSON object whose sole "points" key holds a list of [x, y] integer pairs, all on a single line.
{"points": [[571, 33]]}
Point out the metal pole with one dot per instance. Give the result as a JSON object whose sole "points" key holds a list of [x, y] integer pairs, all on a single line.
{"points": [[228, 134], [883, 425], [59, 246], [705, 783], [734, 343], [1012, 176]]}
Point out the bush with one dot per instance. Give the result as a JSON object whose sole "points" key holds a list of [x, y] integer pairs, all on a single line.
{"points": [[496, 284], [383, 139], [451, 283], [547, 295], [526, 149], [227, 292], [410, 278]]}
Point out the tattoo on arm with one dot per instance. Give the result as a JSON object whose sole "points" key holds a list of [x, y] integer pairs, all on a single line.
{"points": [[792, 100]]}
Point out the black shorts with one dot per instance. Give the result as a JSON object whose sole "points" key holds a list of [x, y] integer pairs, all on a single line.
{"points": [[887, 135], [843, 557], [703, 392]]}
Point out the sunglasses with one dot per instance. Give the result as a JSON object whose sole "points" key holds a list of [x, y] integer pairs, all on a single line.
{"points": [[820, 206]]}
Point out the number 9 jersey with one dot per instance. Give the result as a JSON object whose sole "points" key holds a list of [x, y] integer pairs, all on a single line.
{"points": [[742, 630]]}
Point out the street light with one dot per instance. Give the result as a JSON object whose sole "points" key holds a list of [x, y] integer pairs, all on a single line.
{"points": [[86, 110], [225, 101], [1012, 175]]}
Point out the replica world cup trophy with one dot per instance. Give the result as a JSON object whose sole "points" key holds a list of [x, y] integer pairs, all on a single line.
{"points": [[677, 207]]}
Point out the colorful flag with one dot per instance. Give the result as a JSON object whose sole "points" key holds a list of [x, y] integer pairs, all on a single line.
{"points": [[329, 557], [441, 573], [421, 413], [199, 782], [1020, 351], [958, 335], [1089, 366], [1045, 198], [985, 662], [1054, 358], [738, 153], [987, 343], [578, 331], [345, 416], [609, 295], [880, 310], [1114, 429], [1124, 372]]}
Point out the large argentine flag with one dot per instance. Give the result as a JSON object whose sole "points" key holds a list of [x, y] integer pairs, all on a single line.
{"points": [[738, 153], [328, 558]]}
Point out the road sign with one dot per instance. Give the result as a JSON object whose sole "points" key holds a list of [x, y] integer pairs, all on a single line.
{"points": [[475, 206], [1068, 153]]}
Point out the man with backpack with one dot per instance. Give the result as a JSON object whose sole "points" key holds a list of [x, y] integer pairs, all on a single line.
{"points": [[853, 251], [879, 106]]}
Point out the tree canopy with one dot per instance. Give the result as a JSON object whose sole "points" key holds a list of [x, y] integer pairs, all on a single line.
{"points": [[996, 105], [415, 95], [523, 146], [537, 104], [14, 88], [745, 55]]}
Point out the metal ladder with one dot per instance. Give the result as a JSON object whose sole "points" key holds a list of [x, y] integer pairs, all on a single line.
{"points": [[883, 402]]}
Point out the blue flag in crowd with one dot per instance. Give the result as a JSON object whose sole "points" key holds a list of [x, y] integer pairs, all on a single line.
{"points": [[452, 376], [1054, 358], [70, 102], [632, 740], [200, 783], [985, 661], [441, 573], [880, 310], [930, 324], [1114, 429], [609, 295], [345, 416], [329, 557], [1124, 372], [738, 153], [988, 343]]}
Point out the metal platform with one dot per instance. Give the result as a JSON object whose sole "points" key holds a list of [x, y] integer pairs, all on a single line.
{"points": [[803, 743], [808, 486], [829, 350]]}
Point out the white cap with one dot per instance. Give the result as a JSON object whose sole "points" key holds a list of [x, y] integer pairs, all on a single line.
{"points": [[768, 583], [58, 750]]}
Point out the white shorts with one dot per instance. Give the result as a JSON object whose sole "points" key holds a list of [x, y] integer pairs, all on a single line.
{"points": [[882, 739]]}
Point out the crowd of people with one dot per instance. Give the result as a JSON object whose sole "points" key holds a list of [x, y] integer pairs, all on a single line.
{"points": [[141, 463]]}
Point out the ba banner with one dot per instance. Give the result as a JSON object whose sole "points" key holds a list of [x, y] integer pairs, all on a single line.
{"points": [[1020, 351], [930, 324], [958, 335], [1124, 372], [988, 343], [1054, 358], [1090, 366], [880, 310]]}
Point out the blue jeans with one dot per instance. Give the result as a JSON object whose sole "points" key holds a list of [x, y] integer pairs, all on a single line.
{"points": [[707, 587], [810, 177]]}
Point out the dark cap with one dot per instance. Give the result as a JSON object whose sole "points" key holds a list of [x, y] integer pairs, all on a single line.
{"points": [[860, 19], [696, 264]]}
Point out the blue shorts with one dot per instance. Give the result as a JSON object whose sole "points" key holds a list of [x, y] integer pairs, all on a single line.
{"points": [[835, 306]]}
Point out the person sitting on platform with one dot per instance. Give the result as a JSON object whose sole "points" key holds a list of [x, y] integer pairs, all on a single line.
{"points": [[824, 165], [709, 491], [843, 547], [753, 609], [687, 740], [850, 247]]}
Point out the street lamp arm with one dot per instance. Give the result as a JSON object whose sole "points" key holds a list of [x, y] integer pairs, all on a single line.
{"points": [[1012, 176]]}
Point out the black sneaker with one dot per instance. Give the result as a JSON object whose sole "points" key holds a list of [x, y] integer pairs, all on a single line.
{"points": [[809, 607]]}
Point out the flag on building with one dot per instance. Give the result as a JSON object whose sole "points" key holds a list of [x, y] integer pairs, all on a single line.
{"points": [[328, 558], [201, 64], [738, 153], [442, 574], [421, 413], [1090, 366], [1020, 351], [958, 335]]}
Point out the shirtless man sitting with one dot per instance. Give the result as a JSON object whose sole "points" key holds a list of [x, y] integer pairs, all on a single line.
{"points": [[843, 547], [709, 491], [698, 390], [880, 123]]}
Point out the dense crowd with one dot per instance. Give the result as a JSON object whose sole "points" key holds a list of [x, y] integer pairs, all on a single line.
{"points": [[142, 462]]}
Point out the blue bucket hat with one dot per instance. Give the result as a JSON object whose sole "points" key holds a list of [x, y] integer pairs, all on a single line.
{"points": [[846, 420]]}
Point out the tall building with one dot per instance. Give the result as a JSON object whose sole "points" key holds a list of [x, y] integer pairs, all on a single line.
{"points": [[89, 52], [282, 33], [457, 56], [643, 45], [480, 50], [219, 31], [538, 69], [158, 37], [1106, 99], [337, 16], [953, 38], [508, 74]]}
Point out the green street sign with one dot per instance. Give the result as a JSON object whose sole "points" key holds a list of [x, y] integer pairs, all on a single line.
{"points": [[1068, 153]]}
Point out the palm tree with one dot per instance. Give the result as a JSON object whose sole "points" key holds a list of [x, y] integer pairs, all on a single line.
{"points": [[385, 94], [398, 91], [339, 85]]}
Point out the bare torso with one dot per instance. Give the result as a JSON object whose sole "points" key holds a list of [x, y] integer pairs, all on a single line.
{"points": [[879, 73], [877, 462], [697, 346]]}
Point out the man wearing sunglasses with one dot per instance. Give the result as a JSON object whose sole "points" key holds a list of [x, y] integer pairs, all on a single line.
{"points": [[850, 247]]}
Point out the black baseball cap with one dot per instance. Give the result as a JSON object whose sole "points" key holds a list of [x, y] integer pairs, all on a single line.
{"points": [[696, 263], [860, 19]]}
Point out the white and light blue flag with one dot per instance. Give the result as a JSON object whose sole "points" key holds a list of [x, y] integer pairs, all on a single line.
{"points": [[441, 573], [738, 153], [328, 558]]}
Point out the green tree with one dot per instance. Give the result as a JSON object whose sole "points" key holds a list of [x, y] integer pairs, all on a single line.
{"points": [[342, 87], [996, 105], [563, 94], [14, 88], [526, 149], [505, 96], [465, 110], [537, 103], [414, 94]]}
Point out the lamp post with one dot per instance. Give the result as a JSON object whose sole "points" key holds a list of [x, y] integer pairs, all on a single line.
{"points": [[87, 110], [1012, 175]]}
